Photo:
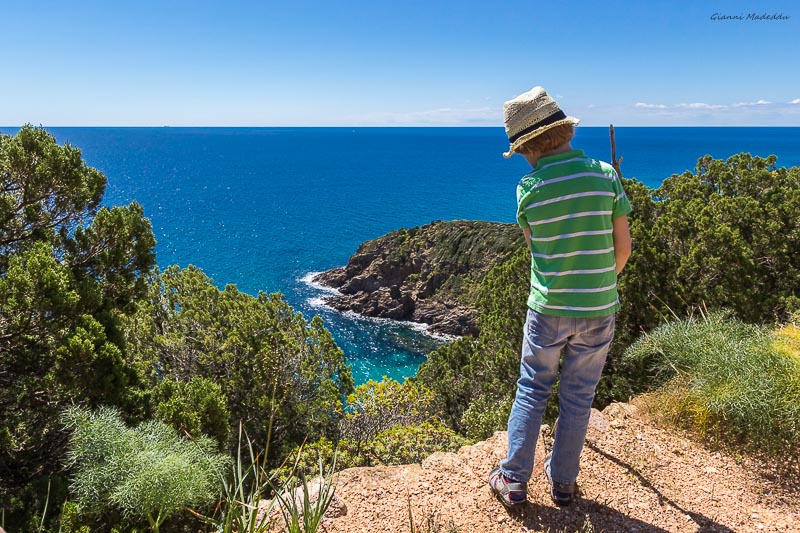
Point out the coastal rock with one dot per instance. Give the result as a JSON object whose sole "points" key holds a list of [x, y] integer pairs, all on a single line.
{"points": [[271, 509], [427, 274], [383, 302], [455, 320]]}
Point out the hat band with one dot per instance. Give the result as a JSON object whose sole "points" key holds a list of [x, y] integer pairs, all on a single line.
{"points": [[555, 117]]}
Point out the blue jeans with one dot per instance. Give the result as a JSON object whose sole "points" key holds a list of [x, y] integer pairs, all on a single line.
{"points": [[585, 343]]}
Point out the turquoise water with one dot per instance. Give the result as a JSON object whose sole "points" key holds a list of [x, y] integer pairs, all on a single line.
{"points": [[262, 208]]}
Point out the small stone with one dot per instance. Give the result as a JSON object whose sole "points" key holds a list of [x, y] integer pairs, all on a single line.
{"points": [[501, 518], [711, 470], [598, 422]]}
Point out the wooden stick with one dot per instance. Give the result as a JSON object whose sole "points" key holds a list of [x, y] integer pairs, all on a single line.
{"points": [[614, 161]]}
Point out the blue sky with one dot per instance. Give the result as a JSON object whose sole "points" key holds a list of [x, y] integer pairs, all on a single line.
{"points": [[410, 62]]}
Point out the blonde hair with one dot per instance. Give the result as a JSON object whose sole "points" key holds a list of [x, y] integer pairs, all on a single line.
{"points": [[548, 141]]}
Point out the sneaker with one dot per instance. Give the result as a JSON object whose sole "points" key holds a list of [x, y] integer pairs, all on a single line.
{"points": [[510, 493], [562, 494]]}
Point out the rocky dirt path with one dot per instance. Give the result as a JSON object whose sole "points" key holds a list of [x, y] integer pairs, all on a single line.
{"points": [[634, 477]]}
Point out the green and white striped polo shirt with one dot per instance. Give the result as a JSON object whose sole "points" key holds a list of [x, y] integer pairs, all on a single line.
{"points": [[568, 202]]}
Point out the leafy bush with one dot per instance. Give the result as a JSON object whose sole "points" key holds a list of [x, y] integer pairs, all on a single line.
{"points": [[724, 379], [387, 422], [485, 415], [304, 460], [487, 367], [197, 407], [148, 472], [396, 445], [412, 444], [714, 238], [270, 364], [72, 520], [377, 406]]}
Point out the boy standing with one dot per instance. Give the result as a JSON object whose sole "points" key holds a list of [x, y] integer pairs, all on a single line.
{"points": [[572, 210]]}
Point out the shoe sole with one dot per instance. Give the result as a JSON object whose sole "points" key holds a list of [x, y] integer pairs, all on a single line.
{"points": [[508, 504], [560, 503]]}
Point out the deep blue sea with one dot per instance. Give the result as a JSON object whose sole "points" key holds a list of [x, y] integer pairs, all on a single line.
{"points": [[262, 208]]}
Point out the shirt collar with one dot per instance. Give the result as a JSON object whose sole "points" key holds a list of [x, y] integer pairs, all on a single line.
{"points": [[563, 156]]}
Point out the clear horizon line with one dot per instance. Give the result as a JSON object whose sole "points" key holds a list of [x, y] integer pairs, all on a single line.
{"points": [[396, 126]]}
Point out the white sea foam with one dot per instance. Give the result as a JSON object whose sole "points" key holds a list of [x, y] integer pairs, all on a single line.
{"points": [[317, 302], [415, 326], [308, 280]]}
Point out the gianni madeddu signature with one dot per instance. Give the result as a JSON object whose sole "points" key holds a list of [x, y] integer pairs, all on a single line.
{"points": [[751, 16]]}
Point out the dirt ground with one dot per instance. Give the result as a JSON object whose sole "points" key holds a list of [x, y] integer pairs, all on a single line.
{"points": [[634, 477]]}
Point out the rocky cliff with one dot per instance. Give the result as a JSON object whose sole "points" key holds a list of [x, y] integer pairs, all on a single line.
{"points": [[427, 274]]}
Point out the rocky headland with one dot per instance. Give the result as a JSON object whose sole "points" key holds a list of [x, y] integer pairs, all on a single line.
{"points": [[427, 274]]}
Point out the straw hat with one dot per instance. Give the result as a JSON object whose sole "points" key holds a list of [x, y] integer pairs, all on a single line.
{"points": [[531, 114]]}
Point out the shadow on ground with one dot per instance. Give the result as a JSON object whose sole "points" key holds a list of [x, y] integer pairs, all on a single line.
{"points": [[589, 515]]}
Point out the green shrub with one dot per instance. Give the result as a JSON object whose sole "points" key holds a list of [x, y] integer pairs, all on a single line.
{"points": [[486, 415], [377, 406], [250, 347], [305, 460], [724, 379], [726, 236], [463, 371], [71, 520], [147, 473], [412, 444], [197, 407], [396, 445]]}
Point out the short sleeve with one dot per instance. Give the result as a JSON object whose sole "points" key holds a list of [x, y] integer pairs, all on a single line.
{"points": [[622, 206], [522, 220]]}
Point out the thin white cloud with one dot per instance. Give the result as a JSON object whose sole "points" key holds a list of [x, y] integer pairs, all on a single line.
{"points": [[703, 105], [700, 105], [747, 104], [757, 112], [692, 105]]}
